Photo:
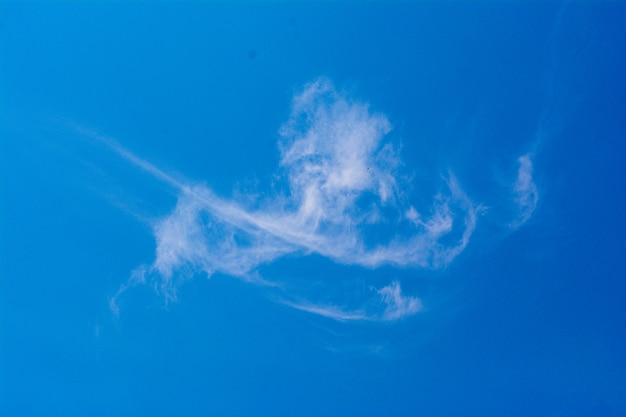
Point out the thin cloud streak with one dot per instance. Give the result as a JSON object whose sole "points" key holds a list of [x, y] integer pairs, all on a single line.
{"points": [[329, 311], [127, 155], [390, 305], [525, 191]]}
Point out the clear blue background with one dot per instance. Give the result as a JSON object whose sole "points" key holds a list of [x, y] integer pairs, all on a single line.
{"points": [[525, 323]]}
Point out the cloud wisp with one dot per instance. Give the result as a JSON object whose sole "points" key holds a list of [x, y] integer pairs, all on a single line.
{"points": [[397, 305], [342, 198], [389, 305], [525, 191]]}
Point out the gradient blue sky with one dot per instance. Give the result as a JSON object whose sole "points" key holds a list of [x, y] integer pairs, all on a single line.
{"points": [[313, 209]]}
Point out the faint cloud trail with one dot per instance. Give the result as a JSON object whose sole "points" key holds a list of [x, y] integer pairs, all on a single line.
{"points": [[395, 306], [525, 191], [127, 155]]}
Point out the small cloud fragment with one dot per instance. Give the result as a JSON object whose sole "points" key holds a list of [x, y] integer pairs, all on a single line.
{"points": [[525, 191], [398, 306]]}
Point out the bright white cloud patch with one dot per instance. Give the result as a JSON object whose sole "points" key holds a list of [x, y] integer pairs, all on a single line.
{"points": [[525, 191], [342, 188]]}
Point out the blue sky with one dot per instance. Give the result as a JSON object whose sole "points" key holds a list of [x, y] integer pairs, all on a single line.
{"points": [[251, 208]]}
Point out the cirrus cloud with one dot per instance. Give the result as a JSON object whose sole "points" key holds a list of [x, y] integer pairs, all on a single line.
{"points": [[342, 185], [525, 191]]}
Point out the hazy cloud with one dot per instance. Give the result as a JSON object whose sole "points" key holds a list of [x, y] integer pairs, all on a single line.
{"points": [[397, 305], [525, 191]]}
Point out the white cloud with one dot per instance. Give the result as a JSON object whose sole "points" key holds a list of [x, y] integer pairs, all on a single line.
{"points": [[390, 305], [525, 191], [342, 185], [329, 311], [398, 306], [137, 277]]}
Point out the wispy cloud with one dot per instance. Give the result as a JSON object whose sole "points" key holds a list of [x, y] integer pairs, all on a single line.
{"points": [[525, 191], [398, 306], [137, 277], [341, 187], [390, 305], [329, 311]]}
